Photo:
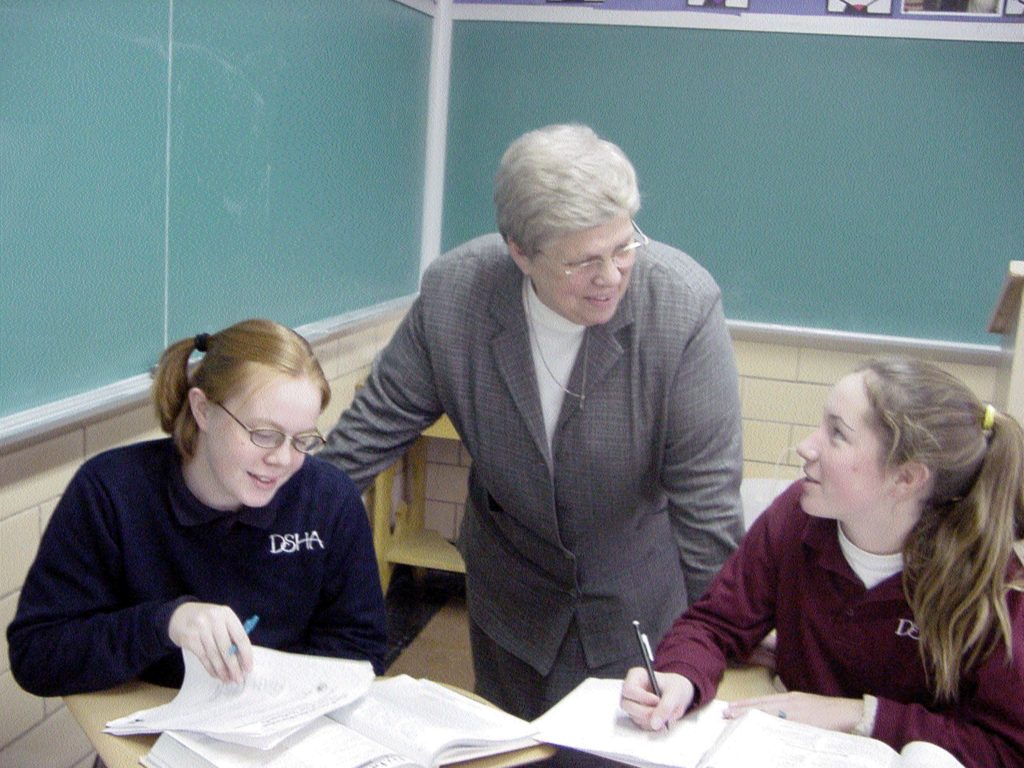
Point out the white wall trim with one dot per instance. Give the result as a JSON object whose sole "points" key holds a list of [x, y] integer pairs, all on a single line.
{"points": [[437, 133], [865, 343], [167, 170]]}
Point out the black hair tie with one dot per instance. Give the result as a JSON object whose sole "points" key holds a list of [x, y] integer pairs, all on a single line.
{"points": [[201, 342]]}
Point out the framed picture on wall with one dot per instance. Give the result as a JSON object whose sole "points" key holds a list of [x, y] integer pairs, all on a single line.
{"points": [[985, 7], [719, 3], [861, 7]]}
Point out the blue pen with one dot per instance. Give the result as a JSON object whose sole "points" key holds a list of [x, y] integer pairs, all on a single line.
{"points": [[248, 626]]}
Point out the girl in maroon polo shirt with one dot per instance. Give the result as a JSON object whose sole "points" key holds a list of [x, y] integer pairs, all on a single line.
{"points": [[889, 572]]}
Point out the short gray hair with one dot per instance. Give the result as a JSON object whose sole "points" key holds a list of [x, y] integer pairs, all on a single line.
{"points": [[561, 179]]}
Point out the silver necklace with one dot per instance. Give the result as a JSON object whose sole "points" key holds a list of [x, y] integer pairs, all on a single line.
{"points": [[582, 394]]}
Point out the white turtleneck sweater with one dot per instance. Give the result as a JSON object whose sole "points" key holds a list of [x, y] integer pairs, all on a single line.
{"points": [[554, 342]]}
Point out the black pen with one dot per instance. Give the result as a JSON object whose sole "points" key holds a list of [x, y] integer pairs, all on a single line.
{"points": [[645, 652]]}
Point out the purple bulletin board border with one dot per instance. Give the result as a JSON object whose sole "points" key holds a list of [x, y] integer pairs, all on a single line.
{"points": [[1008, 11]]}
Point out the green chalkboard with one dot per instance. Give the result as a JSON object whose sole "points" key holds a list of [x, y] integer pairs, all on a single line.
{"points": [[869, 185], [292, 187]]}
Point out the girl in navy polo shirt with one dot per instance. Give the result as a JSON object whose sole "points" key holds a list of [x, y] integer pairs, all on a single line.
{"points": [[172, 543], [889, 571]]}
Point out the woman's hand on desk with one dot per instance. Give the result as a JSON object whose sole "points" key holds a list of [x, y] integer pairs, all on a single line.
{"points": [[829, 712], [645, 708], [216, 637]]}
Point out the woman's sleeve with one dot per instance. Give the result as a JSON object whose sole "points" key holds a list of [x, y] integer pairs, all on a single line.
{"points": [[390, 410], [703, 458]]}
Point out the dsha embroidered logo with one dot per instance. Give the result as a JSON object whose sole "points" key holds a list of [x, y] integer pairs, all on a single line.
{"points": [[285, 543], [907, 628]]}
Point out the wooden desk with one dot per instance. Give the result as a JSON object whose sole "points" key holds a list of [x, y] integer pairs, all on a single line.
{"points": [[745, 682], [94, 710], [408, 541]]}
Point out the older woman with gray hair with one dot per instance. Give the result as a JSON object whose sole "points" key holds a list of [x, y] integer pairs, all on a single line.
{"points": [[590, 375]]}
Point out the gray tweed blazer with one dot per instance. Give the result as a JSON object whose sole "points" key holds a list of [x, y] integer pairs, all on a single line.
{"points": [[636, 506]]}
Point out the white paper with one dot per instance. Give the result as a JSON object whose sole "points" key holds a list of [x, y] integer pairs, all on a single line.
{"points": [[282, 693], [324, 742], [589, 719]]}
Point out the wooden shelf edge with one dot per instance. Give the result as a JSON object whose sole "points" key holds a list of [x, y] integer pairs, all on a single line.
{"points": [[1004, 316], [425, 549], [442, 428]]}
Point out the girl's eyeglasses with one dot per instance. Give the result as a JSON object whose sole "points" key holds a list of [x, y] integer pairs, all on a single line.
{"points": [[265, 437]]}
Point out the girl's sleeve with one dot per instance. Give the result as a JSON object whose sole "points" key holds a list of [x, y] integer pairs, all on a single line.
{"points": [[72, 633], [986, 728], [736, 612]]}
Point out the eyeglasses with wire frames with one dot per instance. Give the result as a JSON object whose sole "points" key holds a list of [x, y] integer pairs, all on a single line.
{"points": [[266, 437], [621, 257]]}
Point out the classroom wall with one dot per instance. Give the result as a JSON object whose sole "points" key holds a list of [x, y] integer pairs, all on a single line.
{"points": [[40, 733]]}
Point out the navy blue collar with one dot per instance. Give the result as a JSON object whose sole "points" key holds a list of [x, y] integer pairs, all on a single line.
{"points": [[189, 511]]}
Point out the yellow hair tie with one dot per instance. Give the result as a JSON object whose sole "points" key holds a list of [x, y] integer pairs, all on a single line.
{"points": [[990, 418]]}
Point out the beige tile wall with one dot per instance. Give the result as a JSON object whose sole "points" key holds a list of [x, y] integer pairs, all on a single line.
{"points": [[783, 388]]}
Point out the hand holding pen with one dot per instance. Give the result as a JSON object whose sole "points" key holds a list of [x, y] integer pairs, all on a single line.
{"points": [[216, 636], [651, 700]]}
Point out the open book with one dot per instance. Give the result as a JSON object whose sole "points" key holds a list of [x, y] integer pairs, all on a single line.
{"points": [[760, 739], [400, 721], [589, 719]]}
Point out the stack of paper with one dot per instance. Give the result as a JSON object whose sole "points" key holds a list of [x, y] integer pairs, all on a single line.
{"points": [[281, 694], [399, 722]]}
